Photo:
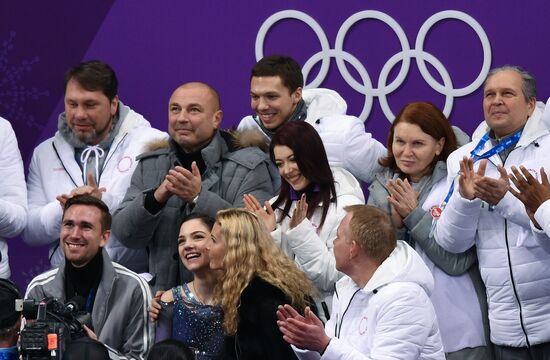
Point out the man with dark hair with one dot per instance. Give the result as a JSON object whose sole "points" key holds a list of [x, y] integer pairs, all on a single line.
{"points": [[93, 152], [381, 309], [116, 297], [277, 96], [482, 212], [10, 320], [201, 168]]}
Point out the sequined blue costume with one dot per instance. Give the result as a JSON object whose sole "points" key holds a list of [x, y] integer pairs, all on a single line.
{"points": [[195, 324]]}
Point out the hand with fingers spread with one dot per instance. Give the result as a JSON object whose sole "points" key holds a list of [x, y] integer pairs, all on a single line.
{"points": [[299, 213], [530, 192], [304, 332], [488, 189], [402, 197], [265, 213], [154, 308], [91, 189], [467, 177], [180, 182]]}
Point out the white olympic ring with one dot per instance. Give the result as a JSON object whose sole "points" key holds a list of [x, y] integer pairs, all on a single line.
{"points": [[404, 56]]}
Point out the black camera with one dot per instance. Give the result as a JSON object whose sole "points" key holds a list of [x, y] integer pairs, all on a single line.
{"points": [[51, 326]]}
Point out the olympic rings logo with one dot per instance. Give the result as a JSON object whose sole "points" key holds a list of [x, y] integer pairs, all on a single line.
{"points": [[404, 56]]}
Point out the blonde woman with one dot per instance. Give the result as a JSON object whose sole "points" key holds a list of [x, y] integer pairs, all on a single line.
{"points": [[257, 278]]}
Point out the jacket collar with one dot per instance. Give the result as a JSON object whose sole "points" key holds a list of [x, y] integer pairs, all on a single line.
{"points": [[534, 128], [106, 284]]}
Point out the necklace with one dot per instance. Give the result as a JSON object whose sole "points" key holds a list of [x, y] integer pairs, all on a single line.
{"points": [[196, 294]]}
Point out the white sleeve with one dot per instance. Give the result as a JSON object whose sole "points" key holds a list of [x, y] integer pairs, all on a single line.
{"points": [[44, 216], [456, 229], [542, 215], [13, 193], [362, 152]]}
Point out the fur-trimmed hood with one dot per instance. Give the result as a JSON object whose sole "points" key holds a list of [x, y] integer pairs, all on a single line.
{"points": [[235, 140]]}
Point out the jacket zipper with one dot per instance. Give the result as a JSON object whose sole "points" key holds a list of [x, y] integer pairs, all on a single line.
{"points": [[514, 283], [109, 157], [62, 164], [338, 329]]}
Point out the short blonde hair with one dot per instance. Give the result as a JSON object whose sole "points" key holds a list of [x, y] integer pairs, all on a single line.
{"points": [[250, 252], [373, 230]]}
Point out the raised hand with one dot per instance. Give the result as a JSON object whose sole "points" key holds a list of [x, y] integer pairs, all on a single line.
{"points": [[183, 183], [466, 178], [305, 332], [154, 308], [402, 197], [299, 213], [529, 191], [491, 190], [265, 213], [91, 189]]}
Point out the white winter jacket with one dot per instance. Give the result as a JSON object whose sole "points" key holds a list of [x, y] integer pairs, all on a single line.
{"points": [[311, 246], [346, 142], [54, 171], [542, 215], [13, 193], [514, 267], [392, 317]]}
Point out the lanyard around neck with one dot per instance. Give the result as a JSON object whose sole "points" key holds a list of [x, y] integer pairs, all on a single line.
{"points": [[505, 144]]}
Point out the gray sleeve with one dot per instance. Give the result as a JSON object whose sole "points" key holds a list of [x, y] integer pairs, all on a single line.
{"points": [[133, 225], [419, 223], [256, 182]]}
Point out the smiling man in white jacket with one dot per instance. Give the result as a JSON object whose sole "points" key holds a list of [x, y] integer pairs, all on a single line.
{"points": [[381, 309], [277, 97]]}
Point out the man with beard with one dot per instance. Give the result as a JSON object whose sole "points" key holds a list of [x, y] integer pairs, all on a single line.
{"points": [[92, 153]]}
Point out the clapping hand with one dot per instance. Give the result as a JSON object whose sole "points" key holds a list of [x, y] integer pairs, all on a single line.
{"points": [[299, 213], [403, 198], [266, 214], [529, 191], [305, 332]]}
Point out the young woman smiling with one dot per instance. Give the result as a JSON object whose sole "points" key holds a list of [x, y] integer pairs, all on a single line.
{"points": [[187, 312], [309, 207]]}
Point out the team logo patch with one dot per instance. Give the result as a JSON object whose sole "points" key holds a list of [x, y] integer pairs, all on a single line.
{"points": [[125, 164], [436, 212], [363, 326]]}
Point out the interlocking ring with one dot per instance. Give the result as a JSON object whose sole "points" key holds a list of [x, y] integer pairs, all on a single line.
{"points": [[404, 56]]}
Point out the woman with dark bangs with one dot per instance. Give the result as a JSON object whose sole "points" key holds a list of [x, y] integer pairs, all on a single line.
{"points": [[304, 218], [411, 189]]}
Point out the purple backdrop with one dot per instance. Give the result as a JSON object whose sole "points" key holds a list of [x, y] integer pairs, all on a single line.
{"points": [[155, 46]]}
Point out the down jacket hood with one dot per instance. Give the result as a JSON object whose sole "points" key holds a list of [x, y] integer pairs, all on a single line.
{"points": [[323, 102], [234, 139], [403, 265]]}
